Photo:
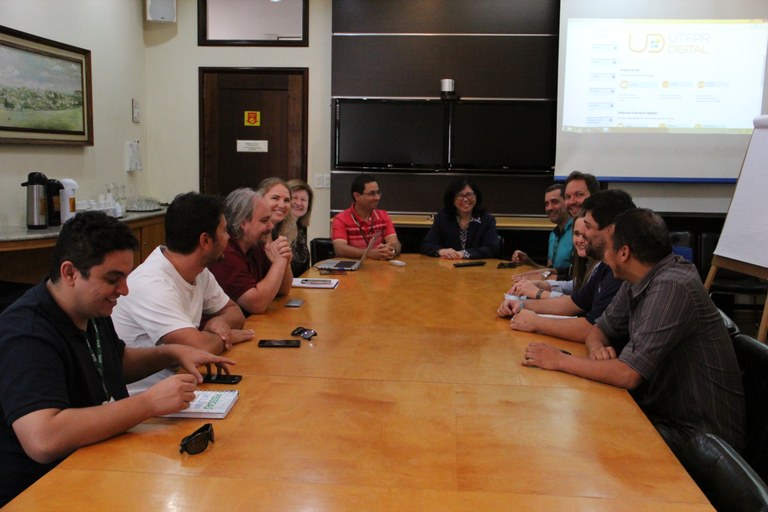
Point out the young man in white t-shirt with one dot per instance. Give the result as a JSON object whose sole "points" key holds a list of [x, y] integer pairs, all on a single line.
{"points": [[174, 298]]}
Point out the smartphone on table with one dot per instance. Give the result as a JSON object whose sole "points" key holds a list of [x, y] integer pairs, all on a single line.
{"points": [[279, 343]]}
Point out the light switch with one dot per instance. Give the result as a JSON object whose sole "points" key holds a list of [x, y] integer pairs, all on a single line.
{"points": [[135, 111]]}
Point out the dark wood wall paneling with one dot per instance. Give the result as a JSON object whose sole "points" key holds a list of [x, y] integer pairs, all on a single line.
{"points": [[424, 192], [490, 67], [501, 49]]}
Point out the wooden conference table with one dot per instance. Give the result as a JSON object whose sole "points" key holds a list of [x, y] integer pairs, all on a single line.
{"points": [[411, 397]]}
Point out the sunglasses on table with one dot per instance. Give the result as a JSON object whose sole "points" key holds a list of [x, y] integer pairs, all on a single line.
{"points": [[197, 441]]}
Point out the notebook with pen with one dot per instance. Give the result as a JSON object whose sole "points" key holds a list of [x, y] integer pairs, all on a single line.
{"points": [[347, 264]]}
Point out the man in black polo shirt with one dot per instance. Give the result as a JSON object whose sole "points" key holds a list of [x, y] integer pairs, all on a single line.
{"points": [[63, 369]]}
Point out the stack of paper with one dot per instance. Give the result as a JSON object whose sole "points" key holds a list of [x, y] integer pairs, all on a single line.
{"points": [[306, 282]]}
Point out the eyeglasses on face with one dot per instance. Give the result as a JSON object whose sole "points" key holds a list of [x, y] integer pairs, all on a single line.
{"points": [[197, 441], [373, 193], [466, 195]]}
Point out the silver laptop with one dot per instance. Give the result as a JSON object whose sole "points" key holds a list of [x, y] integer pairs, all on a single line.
{"points": [[347, 264]]}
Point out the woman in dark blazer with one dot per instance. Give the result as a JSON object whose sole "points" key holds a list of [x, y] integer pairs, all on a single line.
{"points": [[462, 229]]}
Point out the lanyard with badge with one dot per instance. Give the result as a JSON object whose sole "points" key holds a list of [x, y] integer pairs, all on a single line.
{"points": [[372, 221], [98, 361]]}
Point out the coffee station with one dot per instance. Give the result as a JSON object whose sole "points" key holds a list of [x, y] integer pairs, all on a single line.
{"points": [[26, 251]]}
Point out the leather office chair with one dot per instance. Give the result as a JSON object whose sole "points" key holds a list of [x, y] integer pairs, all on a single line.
{"points": [[753, 362], [724, 476], [733, 329], [320, 249], [732, 482]]}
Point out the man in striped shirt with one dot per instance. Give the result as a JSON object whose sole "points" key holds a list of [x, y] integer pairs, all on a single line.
{"points": [[679, 363]]}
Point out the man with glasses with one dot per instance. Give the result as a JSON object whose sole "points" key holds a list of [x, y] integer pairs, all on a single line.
{"points": [[63, 369], [353, 228]]}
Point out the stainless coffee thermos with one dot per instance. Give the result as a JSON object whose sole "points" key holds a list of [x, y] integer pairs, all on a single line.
{"points": [[37, 185]]}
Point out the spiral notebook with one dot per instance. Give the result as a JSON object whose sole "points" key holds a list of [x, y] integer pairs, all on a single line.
{"points": [[208, 404]]}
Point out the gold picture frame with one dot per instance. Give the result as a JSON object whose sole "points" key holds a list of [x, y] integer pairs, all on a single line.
{"points": [[45, 93]]}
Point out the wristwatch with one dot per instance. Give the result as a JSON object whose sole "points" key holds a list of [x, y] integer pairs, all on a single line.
{"points": [[546, 274], [538, 293]]}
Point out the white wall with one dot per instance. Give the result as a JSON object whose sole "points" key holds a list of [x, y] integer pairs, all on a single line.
{"points": [[171, 111], [156, 63], [112, 30]]}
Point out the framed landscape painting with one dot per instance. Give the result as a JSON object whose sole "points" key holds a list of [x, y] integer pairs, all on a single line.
{"points": [[45, 91]]}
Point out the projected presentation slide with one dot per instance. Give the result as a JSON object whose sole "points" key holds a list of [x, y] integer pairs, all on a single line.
{"points": [[670, 76]]}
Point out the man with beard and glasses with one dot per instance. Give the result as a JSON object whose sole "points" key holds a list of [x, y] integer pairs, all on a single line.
{"points": [[174, 297], [588, 303]]}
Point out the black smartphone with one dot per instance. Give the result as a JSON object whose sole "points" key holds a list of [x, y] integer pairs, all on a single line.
{"points": [[476, 263], [508, 264], [221, 378], [294, 303], [280, 343]]}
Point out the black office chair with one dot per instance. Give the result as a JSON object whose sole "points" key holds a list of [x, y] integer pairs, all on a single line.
{"points": [[753, 362], [9, 292], [733, 329], [320, 249], [682, 243], [727, 480], [501, 247], [728, 282]]}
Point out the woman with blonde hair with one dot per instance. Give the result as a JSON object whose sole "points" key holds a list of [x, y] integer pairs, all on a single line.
{"points": [[278, 196], [301, 209]]}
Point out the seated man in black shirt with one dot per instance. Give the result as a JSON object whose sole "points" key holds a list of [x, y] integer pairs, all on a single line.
{"points": [[63, 370]]}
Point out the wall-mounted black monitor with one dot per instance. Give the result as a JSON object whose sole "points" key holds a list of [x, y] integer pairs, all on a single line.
{"points": [[503, 135], [390, 134]]}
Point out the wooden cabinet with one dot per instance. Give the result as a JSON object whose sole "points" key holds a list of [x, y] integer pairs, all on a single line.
{"points": [[150, 233], [25, 256]]}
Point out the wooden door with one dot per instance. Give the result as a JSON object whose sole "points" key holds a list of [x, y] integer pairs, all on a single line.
{"points": [[253, 126]]}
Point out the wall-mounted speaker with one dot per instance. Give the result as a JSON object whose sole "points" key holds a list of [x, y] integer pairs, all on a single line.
{"points": [[161, 11]]}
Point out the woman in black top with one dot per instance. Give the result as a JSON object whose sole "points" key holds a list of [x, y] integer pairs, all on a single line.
{"points": [[301, 208], [462, 229]]}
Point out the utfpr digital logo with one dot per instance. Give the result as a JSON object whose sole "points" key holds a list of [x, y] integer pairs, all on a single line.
{"points": [[646, 43]]}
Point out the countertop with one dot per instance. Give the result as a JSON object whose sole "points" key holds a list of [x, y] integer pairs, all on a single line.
{"points": [[22, 233]]}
